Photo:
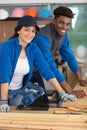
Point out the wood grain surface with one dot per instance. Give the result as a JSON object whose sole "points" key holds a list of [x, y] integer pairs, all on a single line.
{"points": [[33, 120], [80, 102]]}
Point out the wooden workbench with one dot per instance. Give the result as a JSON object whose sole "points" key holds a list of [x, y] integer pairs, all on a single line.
{"points": [[52, 119], [64, 119]]}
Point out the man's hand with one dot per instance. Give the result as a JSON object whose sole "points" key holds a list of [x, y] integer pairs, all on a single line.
{"points": [[79, 93], [83, 82], [4, 107]]}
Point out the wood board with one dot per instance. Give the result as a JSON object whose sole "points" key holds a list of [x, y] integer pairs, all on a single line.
{"points": [[80, 102], [31, 120]]}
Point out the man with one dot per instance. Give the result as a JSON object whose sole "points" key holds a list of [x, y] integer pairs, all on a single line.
{"points": [[53, 38]]}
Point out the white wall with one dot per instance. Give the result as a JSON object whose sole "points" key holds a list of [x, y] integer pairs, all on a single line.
{"points": [[40, 1]]}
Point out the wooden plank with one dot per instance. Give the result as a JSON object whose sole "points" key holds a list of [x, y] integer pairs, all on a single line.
{"points": [[45, 126], [41, 121], [44, 117], [72, 80], [80, 102]]}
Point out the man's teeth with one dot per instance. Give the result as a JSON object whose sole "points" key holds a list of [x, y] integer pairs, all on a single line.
{"points": [[63, 31]]}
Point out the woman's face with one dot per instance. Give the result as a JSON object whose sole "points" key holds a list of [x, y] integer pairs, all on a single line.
{"points": [[26, 35], [62, 24]]}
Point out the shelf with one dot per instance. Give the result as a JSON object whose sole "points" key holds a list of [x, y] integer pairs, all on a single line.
{"points": [[37, 18]]}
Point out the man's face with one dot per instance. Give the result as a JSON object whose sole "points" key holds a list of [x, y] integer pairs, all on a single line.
{"points": [[62, 24]]}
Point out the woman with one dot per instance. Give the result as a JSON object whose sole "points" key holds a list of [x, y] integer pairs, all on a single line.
{"points": [[18, 56]]}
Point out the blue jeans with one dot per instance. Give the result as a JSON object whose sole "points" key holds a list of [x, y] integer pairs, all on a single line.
{"points": [[26, 95]]}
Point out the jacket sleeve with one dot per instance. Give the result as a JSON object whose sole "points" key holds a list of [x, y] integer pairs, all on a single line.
{"points": [[44, 45], [68, 55], [5, 64], [42, 65]]}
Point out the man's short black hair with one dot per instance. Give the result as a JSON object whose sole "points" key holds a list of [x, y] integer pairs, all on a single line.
{"points": [[62, 10]]}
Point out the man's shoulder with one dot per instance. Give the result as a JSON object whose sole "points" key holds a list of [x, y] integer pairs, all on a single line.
{"points": [[48, 25], [45, 29]]}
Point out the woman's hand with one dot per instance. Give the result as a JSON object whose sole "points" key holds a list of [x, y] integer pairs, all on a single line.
{"points": [[65, 97], [4, 107]]}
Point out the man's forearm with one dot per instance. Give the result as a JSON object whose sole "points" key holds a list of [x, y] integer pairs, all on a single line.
{"points": [[66, 87], [78, 76]]}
